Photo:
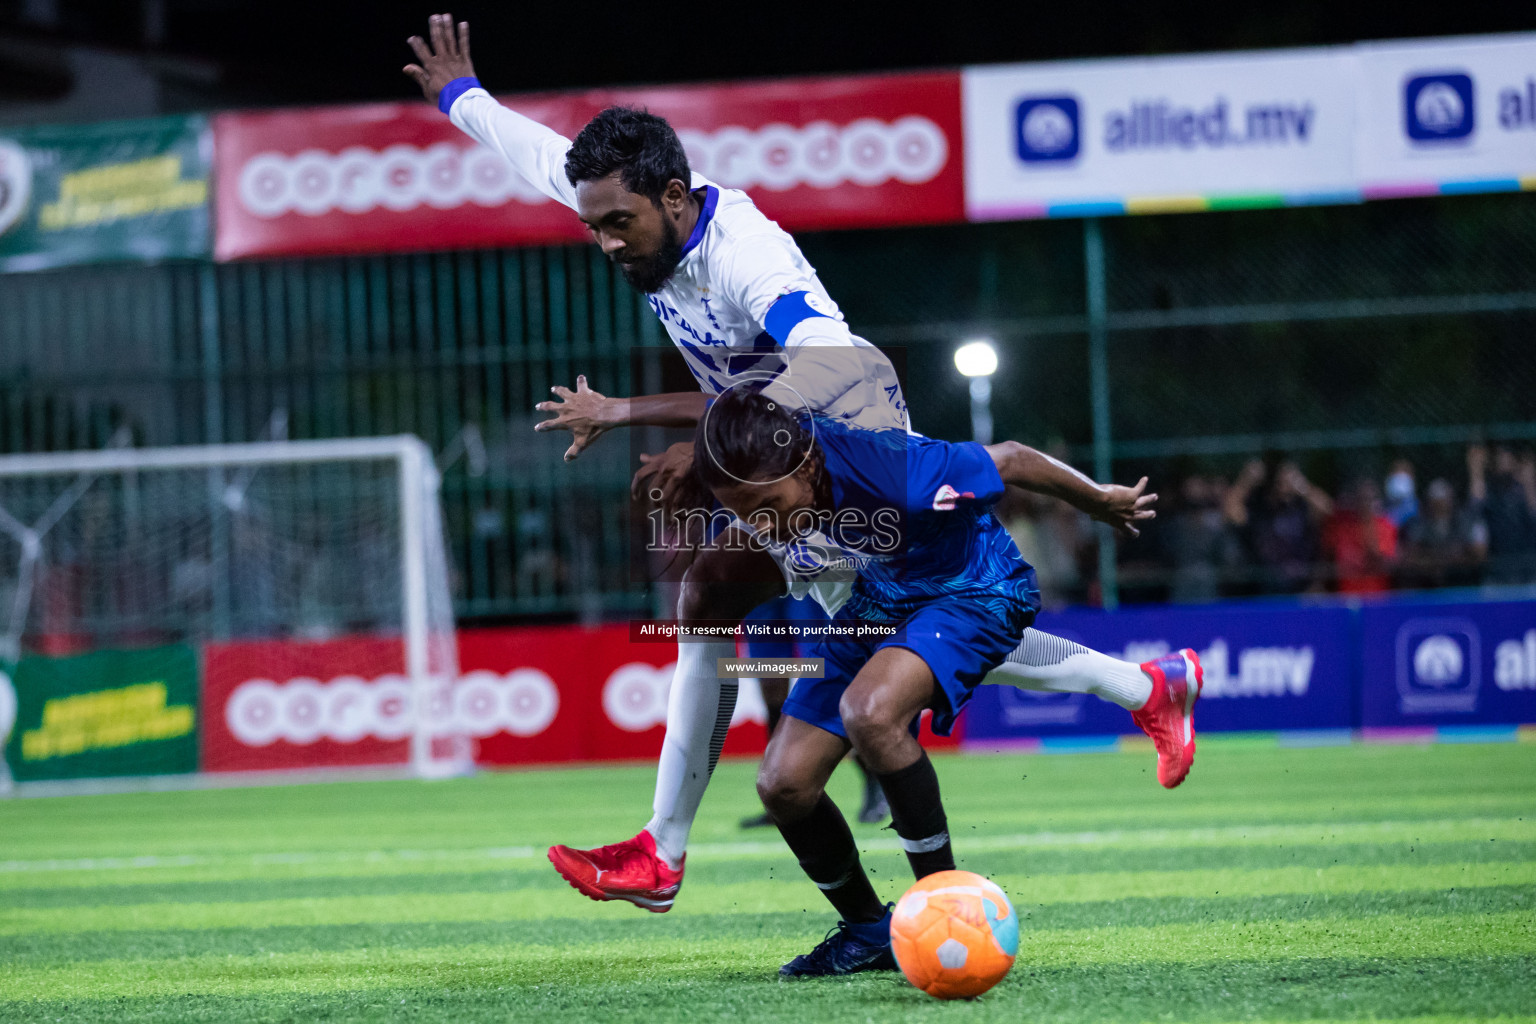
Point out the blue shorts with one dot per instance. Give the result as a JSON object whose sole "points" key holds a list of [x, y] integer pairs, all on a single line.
{"points": [[959, 639], [782, 609]]}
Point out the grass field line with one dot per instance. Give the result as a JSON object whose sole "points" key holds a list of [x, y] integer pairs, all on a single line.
{"points": [[749, 896], [1430, 1019], [1307, 833], [1392, 937]]}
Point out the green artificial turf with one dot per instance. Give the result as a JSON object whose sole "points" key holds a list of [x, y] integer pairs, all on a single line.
{"points": [[1341, 883]]}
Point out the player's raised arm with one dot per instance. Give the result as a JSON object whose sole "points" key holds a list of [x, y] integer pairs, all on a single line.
{"points": [[447, 77], [1120, 507]]}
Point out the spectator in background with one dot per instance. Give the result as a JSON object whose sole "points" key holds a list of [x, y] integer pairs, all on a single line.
{"points": [[1360, 541], [1506, 501], [1402, 496], [1279, 524], [1441, 547], [1197, 541]]}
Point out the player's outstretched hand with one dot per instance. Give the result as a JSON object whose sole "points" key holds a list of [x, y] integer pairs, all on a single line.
{"points": [[665, 480], [446, 59], [582, 412], [1124, 507]]}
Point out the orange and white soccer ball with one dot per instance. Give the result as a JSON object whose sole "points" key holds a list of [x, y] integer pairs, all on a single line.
{"points": [[955, 934]]}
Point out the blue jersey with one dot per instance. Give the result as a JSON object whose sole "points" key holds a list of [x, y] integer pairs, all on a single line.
{"points": [[916, 513]]}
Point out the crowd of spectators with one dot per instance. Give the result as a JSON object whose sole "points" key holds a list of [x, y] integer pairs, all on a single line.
{"points": [[1270, 530]]}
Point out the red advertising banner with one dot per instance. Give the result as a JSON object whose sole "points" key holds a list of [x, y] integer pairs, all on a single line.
{"points": [[814, 153], [301, 704], [529, 695]]}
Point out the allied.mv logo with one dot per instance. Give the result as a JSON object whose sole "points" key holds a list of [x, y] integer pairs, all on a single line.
{"points": [[1437, 662], [1438, 108], [1046, 128], [1437, 666]]}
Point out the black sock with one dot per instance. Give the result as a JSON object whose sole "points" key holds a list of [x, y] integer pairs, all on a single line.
{"points": [[775, 711], [824, 845], [918, 814]]}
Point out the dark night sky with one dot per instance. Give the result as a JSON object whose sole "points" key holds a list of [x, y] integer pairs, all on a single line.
{"points": [[284, 51]]}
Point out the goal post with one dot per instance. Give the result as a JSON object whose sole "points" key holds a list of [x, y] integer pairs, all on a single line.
{"points": [[227, 607]]}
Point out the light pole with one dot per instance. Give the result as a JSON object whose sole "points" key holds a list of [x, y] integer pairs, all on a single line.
{"points": [[978, 361]]}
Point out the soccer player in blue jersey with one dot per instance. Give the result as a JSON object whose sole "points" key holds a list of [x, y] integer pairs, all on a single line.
{"points": [[740, 301], [938, 571]]}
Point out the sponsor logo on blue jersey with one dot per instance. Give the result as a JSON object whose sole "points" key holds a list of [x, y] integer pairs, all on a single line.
{"points": [[944, 499]]}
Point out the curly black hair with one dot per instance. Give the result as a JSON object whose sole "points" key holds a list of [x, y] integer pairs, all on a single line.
{"points": [[747, 436], [642, 147]]}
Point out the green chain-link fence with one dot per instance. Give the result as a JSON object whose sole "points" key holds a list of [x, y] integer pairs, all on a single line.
{"points": [[1346, 336]]}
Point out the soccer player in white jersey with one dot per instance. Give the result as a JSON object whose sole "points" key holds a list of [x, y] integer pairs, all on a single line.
{"points": [[740, 302]]}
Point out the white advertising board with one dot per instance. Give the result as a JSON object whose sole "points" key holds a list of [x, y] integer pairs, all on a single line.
{"points": [[1267, 128], [1118, 136], [1447, 116]]}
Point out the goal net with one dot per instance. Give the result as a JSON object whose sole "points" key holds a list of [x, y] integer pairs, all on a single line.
{"points": [[225, 608]]}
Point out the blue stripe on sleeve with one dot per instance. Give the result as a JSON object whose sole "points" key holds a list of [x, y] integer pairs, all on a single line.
{"points": [[787, 313], [453, 90]]}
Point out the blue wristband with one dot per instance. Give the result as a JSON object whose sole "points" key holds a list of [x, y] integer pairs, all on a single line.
{"points": [[453, 90]]}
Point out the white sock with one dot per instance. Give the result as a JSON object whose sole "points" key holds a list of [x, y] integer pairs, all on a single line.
{"points": [[1053, 664], [698, 714]]}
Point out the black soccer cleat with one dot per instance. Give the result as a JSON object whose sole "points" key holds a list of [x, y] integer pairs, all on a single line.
{"points": [[847, 949]]}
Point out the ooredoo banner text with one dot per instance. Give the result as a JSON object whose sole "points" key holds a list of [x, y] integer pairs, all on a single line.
{"points": [[864, 151], [520, 697]]}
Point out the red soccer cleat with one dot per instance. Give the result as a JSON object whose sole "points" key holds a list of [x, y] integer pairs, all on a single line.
{"points": [[630, 870], [1169, 714]]}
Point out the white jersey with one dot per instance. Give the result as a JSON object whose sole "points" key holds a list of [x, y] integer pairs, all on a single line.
{"points": [[744, 304]]}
